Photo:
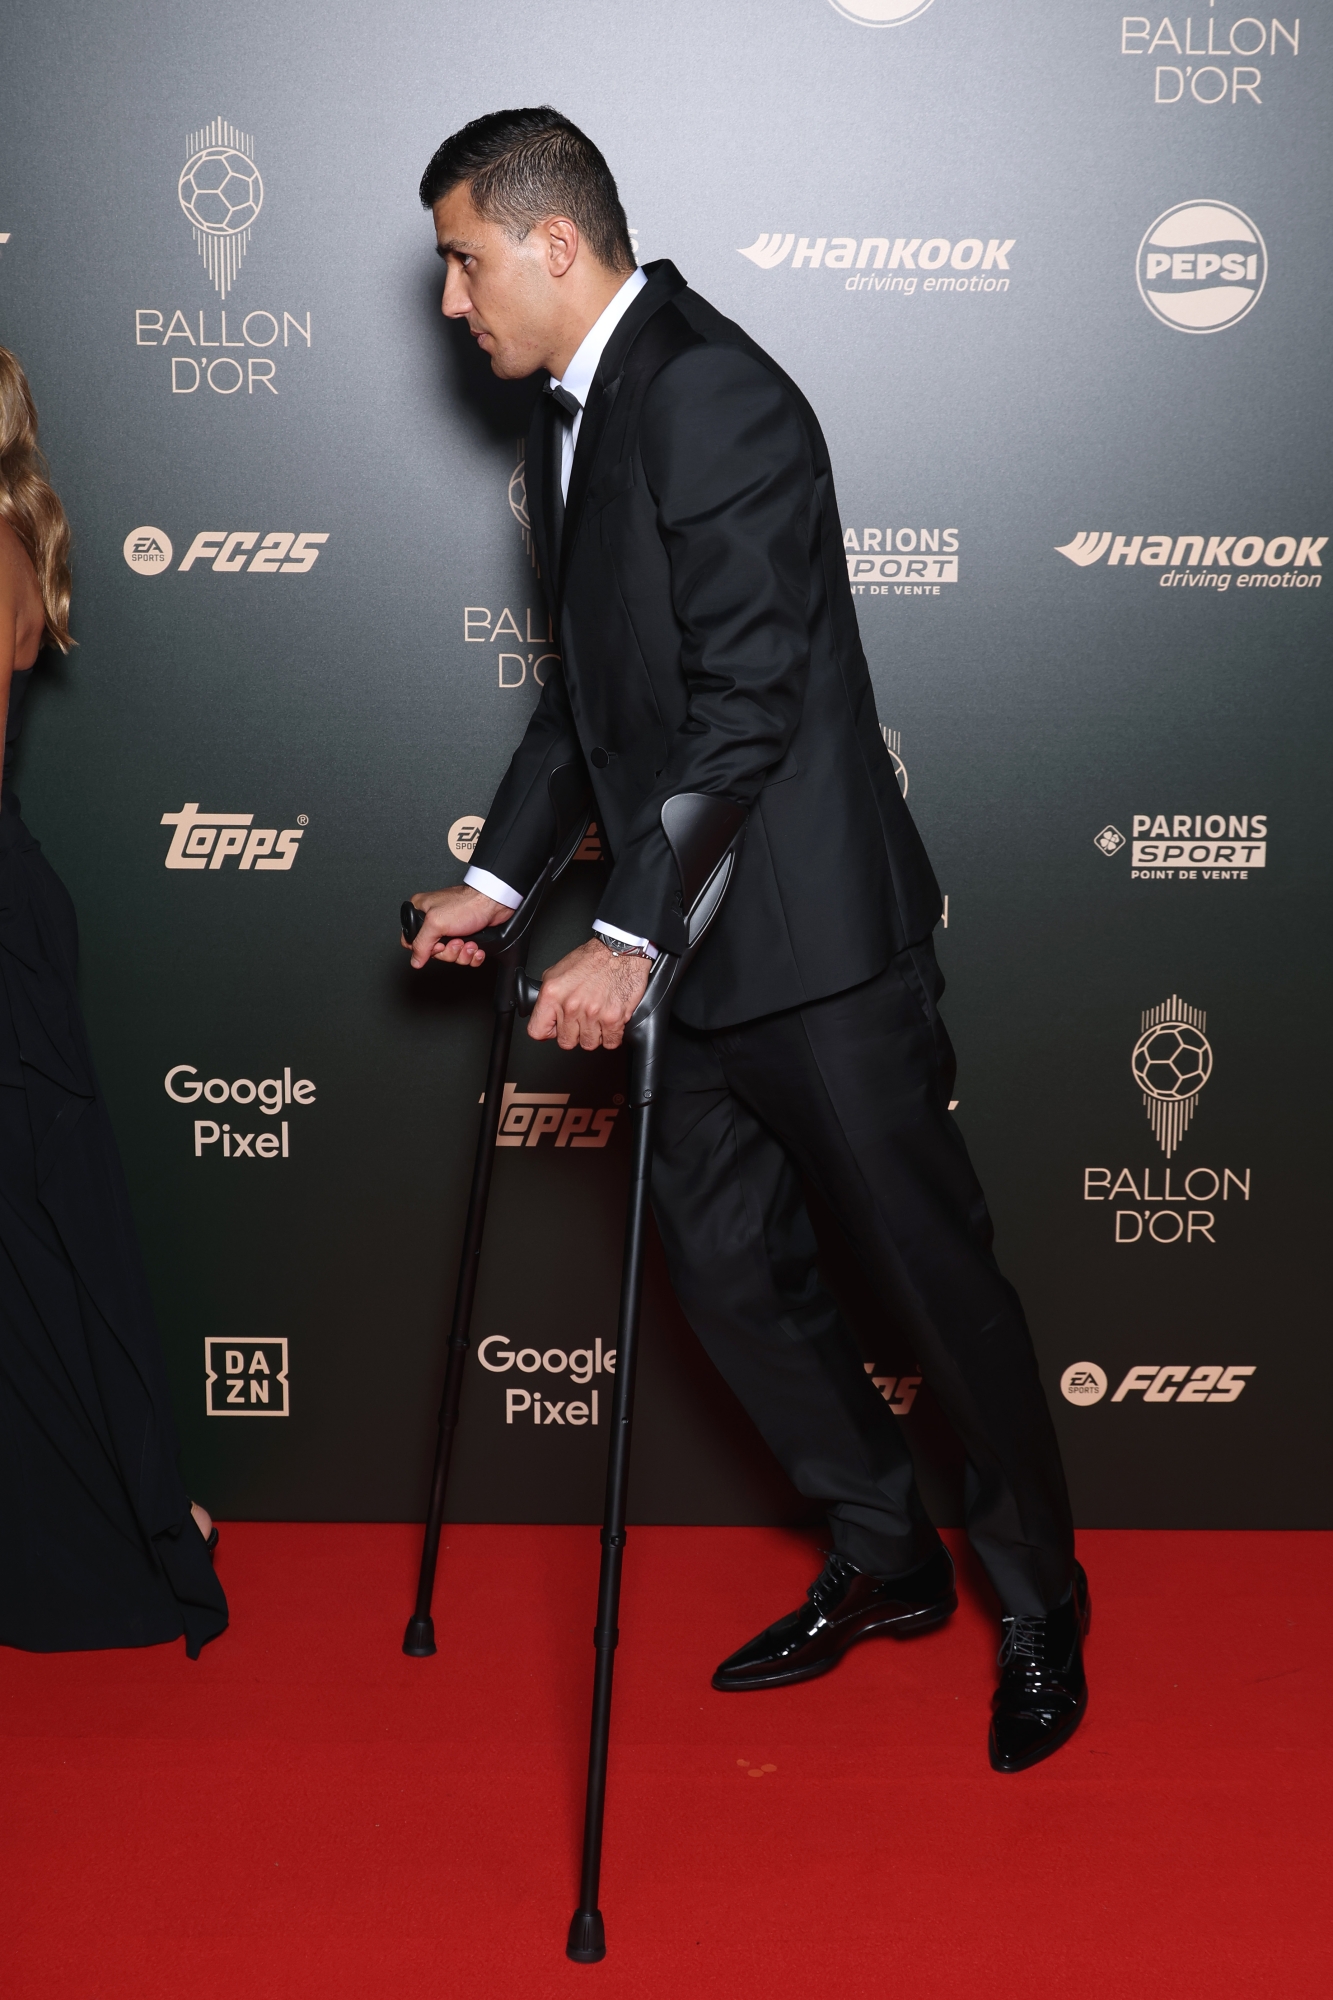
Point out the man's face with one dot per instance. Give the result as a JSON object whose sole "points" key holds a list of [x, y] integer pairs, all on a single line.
{"points": [[504, 289]]}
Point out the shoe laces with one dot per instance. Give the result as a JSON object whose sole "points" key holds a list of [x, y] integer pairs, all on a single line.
{"points": [[1024, 1641], [831, 1582]]}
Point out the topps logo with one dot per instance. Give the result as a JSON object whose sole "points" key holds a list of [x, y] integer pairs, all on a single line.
{"points": [[527, 1115], [206, 839]]}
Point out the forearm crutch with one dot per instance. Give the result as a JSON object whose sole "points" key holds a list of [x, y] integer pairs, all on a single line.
{"points": [[507, 944], [703, 834]]}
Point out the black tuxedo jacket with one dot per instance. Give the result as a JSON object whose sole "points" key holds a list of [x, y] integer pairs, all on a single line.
{"points": [[710, 644]]}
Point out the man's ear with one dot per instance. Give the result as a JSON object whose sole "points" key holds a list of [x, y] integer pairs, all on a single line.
{"points": [[562, 244]]}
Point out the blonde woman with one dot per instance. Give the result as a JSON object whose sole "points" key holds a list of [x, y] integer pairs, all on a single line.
{"points": [[99, 1543]]}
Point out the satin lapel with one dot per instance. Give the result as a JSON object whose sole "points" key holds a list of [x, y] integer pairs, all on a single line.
{"points": [[664, 282], [534, 486]]}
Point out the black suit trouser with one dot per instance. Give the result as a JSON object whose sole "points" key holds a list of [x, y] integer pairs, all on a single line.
{"points": [[854, 1092]]}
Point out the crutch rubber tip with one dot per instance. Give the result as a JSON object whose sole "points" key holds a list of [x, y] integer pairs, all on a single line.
{"points": [[587, 1938], [419, 1639]]}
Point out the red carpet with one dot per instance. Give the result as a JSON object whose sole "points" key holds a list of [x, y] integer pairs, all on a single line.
{"points": [[307, 1813]]}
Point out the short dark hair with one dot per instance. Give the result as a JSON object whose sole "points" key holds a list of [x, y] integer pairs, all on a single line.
{"points": [[521, 166]]}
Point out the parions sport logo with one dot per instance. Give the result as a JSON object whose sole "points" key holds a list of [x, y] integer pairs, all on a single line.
{"points": [[226, 551], [1201, 266], [1189, 847], [890, 264], [1205, 562], [900, 562]]}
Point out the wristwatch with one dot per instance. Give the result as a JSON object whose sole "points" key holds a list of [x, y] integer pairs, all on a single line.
{"points": [[620, 947]]}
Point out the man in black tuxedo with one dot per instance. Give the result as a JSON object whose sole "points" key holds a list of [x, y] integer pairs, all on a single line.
{"points": [[683, 510]]}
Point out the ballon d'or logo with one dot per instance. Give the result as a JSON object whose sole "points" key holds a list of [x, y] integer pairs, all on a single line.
{"points": [[221, 193], [1172, 1061]]}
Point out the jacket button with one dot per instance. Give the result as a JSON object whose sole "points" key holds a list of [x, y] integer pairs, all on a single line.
{"points": [[600, 758]]}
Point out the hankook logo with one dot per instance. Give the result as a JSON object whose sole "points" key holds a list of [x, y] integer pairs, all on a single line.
{"points": [[221, 194], [899, 258], [1206, 562], [1201, 266], [880, 13]]}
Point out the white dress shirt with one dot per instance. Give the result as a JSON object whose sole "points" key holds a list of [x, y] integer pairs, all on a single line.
{"points": [[577, 379]]}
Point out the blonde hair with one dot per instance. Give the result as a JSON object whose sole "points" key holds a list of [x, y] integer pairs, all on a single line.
{"points": [[27, 500]]}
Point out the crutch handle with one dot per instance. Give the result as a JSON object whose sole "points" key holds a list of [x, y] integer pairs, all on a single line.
{"points": [[704, 834]]}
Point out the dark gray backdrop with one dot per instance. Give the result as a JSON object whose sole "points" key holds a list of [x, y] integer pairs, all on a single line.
{"points": [[1054, 717]]}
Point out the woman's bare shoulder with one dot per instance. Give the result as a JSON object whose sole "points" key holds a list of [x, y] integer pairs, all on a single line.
{"points": [[17, 576]]}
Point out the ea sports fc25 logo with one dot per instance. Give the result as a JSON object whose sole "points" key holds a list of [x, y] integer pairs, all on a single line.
{"points": [[225, 551], [1201, 266], [1084, 1383]]}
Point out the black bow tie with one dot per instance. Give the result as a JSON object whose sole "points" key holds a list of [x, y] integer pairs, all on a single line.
{"points": [[568, 406]]}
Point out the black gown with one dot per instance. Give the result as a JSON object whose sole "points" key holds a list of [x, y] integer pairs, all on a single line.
{"points": [[97, 1543]]}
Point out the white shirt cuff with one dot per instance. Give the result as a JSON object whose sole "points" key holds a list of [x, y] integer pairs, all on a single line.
{"points": [[492, 886], [625, 937]]}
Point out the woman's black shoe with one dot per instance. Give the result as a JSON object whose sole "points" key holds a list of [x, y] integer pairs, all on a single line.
{"points": [[842, 1605], [1043, 1691]]}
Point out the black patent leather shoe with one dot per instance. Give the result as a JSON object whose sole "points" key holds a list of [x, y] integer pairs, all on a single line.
{"points": [[1043, 1691], [842, 1605]]}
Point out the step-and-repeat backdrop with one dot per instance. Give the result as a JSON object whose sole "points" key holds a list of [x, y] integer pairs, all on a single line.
{"points": [[1055, 279]]}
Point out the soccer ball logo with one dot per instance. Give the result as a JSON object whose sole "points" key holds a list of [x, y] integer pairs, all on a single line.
{"points": [[221, 193], [518, 493], [220, 190], [893, 743], [1172, 1061]]}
